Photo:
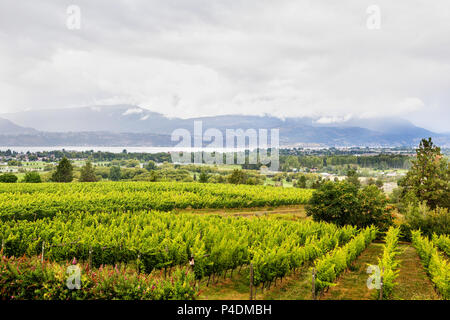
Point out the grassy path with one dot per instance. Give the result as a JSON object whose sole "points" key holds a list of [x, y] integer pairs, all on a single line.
{"points": [[297, 211], [413, 282], [352, 285], [296, 286]]}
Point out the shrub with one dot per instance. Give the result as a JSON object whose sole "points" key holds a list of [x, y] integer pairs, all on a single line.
{"points": [[32, 177], [27, 278], [343, 203], [428, 220], [8, 178]]}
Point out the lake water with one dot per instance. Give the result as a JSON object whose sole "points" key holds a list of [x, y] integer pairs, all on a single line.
{"points": [[117, 149]]}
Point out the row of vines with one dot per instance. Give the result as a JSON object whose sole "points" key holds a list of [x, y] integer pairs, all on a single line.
{"points": [[36, 201], [434, 262], [161, 240]]}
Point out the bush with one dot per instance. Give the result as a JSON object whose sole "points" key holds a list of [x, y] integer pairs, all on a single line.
{"points": [[434, 262], [32, 177], [8, 178], [203, 178], [238, 177], [48, 282], [343, 203], [428, 220], [388, 262]]}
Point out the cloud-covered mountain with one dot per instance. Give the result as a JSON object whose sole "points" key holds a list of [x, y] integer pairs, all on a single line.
{"points": [[9, 128], [108, 125]]}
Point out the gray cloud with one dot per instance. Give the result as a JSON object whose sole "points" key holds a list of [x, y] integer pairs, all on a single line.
{"points": [[207, 57]]}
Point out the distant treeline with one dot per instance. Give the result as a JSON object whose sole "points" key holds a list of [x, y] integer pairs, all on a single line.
{"points": [[381, 161], [93, 155]]}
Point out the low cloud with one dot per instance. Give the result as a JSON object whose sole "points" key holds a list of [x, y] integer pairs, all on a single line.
{"points": [[202, 57]]}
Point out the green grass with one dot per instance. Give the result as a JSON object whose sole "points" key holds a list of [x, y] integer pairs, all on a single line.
{"points": [[352, 285], [413, 282], [296, 286]]}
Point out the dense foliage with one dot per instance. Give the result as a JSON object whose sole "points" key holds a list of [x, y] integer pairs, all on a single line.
{"points": [[160, 240], [435, 263], [32, 177], [329, 266], [388, 262], [427, 220], [429, 177], [442, 242], [28, 278], [343, 203], [64, 171], [8, 178], [87, 173], [33, 201]]}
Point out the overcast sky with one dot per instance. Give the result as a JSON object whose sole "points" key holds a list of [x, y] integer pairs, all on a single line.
{"points": [[205, 57]]}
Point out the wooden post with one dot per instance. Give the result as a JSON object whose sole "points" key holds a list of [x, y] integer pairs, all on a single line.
{"points": [[42, 254], [381, 286], [90, 258], [139, 263], [3, 245], [314, 284], [251, 281]]}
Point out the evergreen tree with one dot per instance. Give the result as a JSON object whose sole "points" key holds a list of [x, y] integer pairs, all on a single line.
{"points": [[352, 177], [64, 171], [88, 173], [429, 177]]}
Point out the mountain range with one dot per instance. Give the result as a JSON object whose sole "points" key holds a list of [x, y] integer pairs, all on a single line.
{"points": [[128, 125]]}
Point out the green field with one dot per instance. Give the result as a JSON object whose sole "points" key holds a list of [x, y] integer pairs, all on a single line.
{"points": [[142, 233]]}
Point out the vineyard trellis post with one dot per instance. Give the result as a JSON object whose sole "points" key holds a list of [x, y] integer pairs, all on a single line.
{"points": [[3, 245], [139, 263], [314, 284], [90, 258], [251, 281], [381, 285], [42, 253]]}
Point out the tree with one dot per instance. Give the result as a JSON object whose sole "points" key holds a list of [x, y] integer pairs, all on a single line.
{"points": [[14, 163], [290, 163], [429, 177], [64, 171], [151, 165], [373, 208], [204, 177], [114, 173], [343, 203], [237, 177], [352, 177], [379, 183], [334, 202], [301, 182], [88, 173], [32, 177], [8, 178]]}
